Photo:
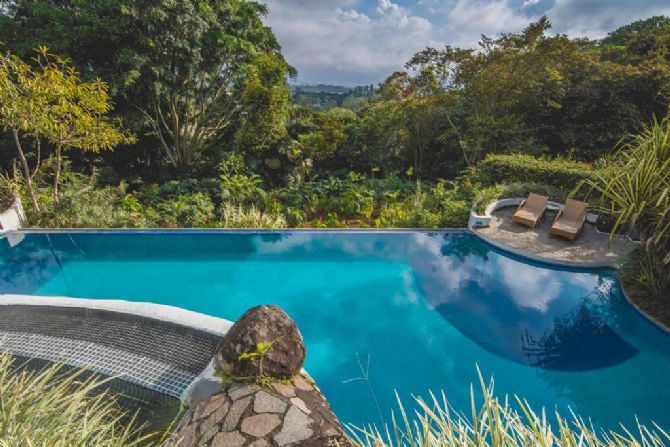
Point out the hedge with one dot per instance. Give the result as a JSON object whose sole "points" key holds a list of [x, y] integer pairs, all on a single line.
{"points": [[518, 168]]}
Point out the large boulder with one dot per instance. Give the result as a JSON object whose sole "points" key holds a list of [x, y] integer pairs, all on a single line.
{"points": [[262, 324]]}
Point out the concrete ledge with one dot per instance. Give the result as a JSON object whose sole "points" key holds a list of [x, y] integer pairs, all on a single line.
{"points": [[168, 314], [13, 218], [481, 221]]}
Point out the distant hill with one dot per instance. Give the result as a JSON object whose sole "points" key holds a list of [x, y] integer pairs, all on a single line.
{"points": [[326, 96]]}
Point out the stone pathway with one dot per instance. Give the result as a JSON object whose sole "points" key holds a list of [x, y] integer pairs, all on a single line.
{"points": [[244, 415], [589, 247]]}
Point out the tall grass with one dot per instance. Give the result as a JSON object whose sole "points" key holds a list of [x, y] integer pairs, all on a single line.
{"points": [[237, 216], [496, 424], [635, 189], [55, 408]]}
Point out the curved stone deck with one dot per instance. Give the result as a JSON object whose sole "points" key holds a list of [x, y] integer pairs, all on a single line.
{"points": [[591, 248]]}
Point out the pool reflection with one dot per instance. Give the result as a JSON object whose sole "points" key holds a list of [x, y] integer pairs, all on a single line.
{"points": [[521, 311]]}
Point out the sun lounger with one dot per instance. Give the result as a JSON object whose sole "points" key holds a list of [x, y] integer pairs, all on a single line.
{"points": [[570, 221], [531, 210]]}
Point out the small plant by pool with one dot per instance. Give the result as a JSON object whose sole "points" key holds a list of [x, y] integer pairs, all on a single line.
{"points": [[386, 311]]}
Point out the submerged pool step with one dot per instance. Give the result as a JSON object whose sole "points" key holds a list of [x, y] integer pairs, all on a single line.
{"points": [[159, 355]]}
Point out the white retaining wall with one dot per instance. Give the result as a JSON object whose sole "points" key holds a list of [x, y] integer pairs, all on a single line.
{"points": [[12, 219]]}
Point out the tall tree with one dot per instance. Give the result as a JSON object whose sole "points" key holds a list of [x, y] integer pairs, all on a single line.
{"points": [[188, 67]]}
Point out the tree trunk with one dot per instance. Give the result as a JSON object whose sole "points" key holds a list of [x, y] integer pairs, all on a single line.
{"points": [[57, 173], [26, 171]]}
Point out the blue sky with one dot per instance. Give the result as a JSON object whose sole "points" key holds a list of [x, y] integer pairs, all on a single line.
{"points": [[351, 42]]}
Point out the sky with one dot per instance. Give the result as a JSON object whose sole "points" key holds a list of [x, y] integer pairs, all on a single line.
{"points": [[358, 42]]}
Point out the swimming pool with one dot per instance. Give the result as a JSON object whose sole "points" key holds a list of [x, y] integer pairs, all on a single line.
{"points": [[385, 311]]}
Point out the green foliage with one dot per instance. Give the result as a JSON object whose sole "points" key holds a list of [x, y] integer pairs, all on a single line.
{"points": [[236, 216], [53, 408], [190, 71], [634, 188], [439, 207], [84, 204], [519, 168], [242, 189], [263, 348], [495, 423], [186, 210]]}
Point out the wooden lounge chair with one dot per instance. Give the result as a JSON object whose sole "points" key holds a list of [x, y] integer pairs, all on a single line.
{"points": [[570, 221], [531, 210]]}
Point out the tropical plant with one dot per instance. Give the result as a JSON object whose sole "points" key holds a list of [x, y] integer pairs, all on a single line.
{"points": [[495, 424], [75, 112], [237, 216], [634, 188], [55, 408]]}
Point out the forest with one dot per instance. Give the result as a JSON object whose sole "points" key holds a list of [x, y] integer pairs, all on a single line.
{"points": [[180, 114]]}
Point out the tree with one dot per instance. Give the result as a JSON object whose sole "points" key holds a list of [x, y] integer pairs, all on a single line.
{"points": [[74, 113], [188, 67], [534, 93], [21, 106], [49, 104]]}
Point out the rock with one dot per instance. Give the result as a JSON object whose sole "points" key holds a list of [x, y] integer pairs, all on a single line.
{"points": [[296, 427], [238, 390], [300, 404], [284, 389], [302, 384], [260, 425], [209, 434], [228, 439], [214, 403], [215, 418], [260, 443], [236, 411], [265, 402], [262, 324], [202, 390], [187, 437]]}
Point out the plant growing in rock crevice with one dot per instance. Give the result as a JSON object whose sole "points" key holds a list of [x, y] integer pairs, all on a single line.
{"points": [[263, 348]]}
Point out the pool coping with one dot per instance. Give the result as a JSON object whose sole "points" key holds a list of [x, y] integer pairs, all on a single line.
{"points": [[522, 253], [160, 312]]}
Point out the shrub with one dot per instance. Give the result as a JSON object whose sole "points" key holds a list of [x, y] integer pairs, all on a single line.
{"points": [[83, 204], [634, 189], [557, 172], [51, 408], [439, 207], [187, 210], [236, 216], [495, 424]]}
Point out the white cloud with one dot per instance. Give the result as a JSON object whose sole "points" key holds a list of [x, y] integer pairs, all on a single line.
{"points": [[363, 41], [467, 20], [344, 45], [595, 18]]}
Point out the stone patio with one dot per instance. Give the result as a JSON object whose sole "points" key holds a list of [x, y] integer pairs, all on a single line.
{"points": [[590, 248]]}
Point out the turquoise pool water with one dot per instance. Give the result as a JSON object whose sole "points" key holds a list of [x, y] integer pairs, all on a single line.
{"points": [[421, 309]]}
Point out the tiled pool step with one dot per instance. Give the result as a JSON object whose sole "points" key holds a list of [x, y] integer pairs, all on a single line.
{"points": [[159, 355]]}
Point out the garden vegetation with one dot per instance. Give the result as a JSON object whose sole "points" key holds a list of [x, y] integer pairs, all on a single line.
{"points": [[497, 423], [160, 114], [55, 408], [133, 114]]}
